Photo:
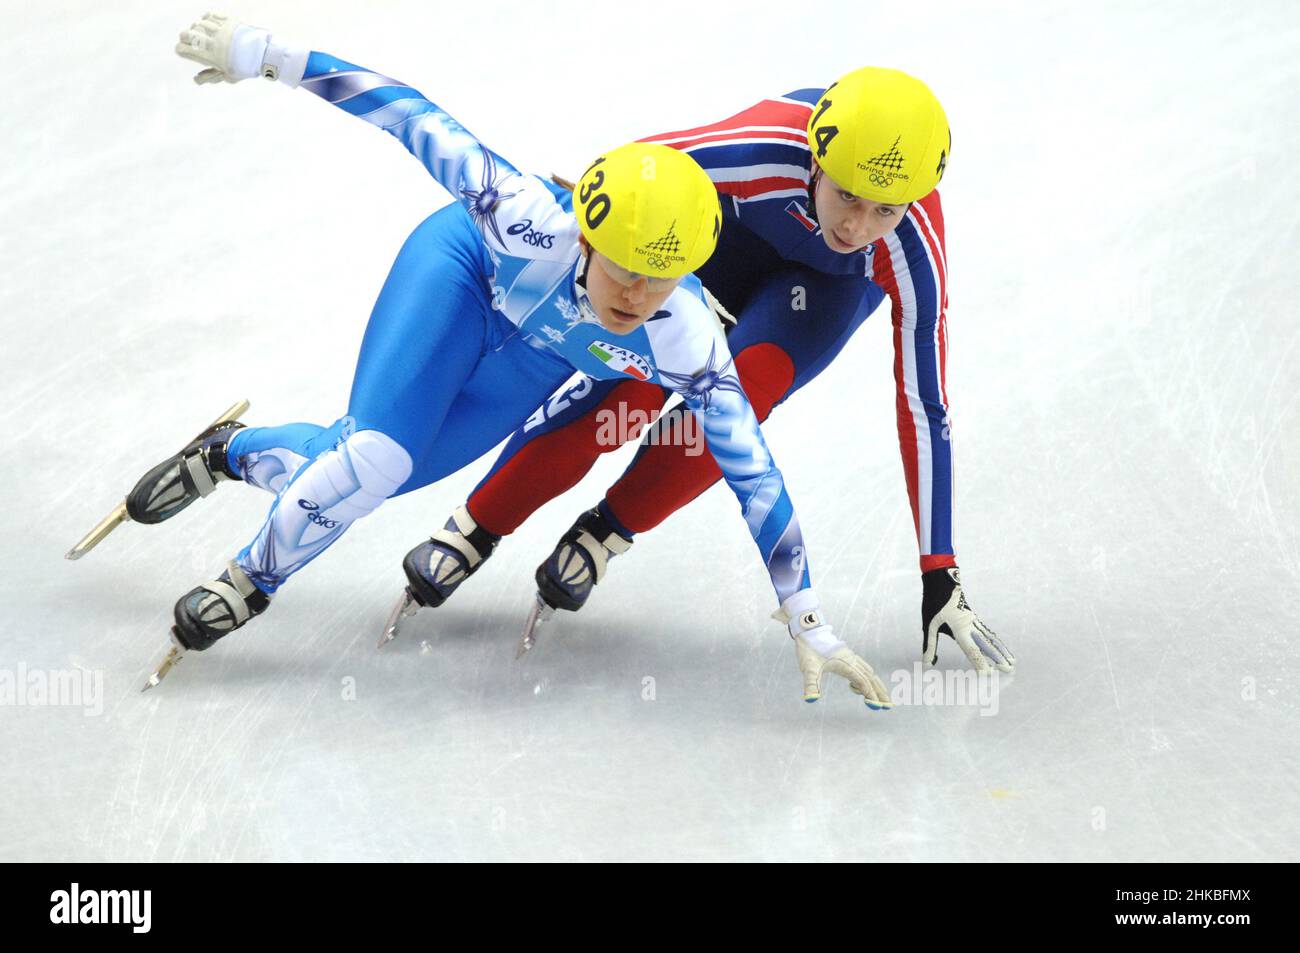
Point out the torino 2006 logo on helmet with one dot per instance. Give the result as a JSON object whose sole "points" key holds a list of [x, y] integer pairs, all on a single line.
{"points": [[663, 251], [887, 166]]}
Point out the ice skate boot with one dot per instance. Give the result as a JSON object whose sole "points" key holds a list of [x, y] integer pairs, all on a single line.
{"points": [[210, 612], [436, 567], [180, 480], [174, 484], [567, 577]]}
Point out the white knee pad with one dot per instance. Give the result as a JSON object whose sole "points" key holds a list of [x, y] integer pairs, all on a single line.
{"points": [[350, 481], [362, 472], [324, 498]]}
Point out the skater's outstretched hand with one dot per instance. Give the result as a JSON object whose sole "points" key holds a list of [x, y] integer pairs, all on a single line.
{"points": [[820, 653], [944, 611], [230, 50]]}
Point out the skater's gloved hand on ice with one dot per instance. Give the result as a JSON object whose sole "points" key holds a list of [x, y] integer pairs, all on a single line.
{"points": [[819, 653], [944, 611], [231, 51]]}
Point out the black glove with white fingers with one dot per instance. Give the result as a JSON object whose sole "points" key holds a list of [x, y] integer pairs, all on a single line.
{"points": [[944, 611]]}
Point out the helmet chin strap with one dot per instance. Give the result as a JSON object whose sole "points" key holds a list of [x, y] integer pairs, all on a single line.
{"points": [[812, 192], [581, 279], [580, 282]]}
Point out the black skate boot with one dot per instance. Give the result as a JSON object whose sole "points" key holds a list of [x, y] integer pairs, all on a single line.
{"points": [[180, 480], [215, 609], [450, 556], [567, 577], [436, 567], [208, 613]]}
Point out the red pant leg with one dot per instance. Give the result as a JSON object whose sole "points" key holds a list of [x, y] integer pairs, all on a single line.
{"points": [[664, 478], [553, 463]]}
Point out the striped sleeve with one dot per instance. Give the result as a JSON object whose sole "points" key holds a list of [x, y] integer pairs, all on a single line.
{"points": [[759, 153], [474, 175], [735, 440], [910, 264]]}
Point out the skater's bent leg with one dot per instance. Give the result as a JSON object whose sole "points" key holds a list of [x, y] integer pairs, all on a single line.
{"points": [[557, 447], [431, 325], [426, 334], [321, 501], [669, 470]]}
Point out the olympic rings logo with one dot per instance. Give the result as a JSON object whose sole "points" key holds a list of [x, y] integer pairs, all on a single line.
{"points": [[654, 261], [884, 181]]}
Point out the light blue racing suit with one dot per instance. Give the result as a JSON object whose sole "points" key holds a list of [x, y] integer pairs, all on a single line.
{"points": [[481, 319]]}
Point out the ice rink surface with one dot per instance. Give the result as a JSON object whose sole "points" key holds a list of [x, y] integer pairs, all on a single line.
{"points": [[1121, 210]]}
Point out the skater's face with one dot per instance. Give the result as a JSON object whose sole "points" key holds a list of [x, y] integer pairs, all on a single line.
{"points": [[623, 301], [850, 223]]}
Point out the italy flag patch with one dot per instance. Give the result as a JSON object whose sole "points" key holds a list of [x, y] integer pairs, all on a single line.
{"points": [[620, 359]]}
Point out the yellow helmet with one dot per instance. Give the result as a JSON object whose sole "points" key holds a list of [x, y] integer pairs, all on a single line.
{"points": [[649, 209], [882, 135]]}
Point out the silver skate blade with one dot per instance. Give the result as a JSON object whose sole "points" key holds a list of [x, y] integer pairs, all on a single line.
{"points": [[105, 526], [174, 655], [119, 515], [405, 608], [539, 613]]}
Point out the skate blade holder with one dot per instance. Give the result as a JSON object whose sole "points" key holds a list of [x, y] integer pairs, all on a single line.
{"points": [[405, 608], [174, 655], [540, 612], [119, 515]]}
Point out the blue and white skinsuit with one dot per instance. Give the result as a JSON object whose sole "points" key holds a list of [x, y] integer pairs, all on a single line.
{"points": [[481, 319]]}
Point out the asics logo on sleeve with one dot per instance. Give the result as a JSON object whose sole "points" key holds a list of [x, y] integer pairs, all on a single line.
{"points": [[530, 235], [313, 515]]}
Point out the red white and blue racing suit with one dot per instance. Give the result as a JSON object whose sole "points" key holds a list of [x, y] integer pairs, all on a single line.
{"points": [[771, 255]]}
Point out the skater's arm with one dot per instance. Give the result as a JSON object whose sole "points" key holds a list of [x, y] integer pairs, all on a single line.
{"points": [[911, 266], [734, 438], [449, 151], [736, 441], [712, 390], [491, 188]]}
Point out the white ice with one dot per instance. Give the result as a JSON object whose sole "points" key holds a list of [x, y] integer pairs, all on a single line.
{"points": [[1121, 213]]}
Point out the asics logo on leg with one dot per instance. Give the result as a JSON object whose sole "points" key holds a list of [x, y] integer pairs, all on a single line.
{"points": [[530, 235], [313, 514]]}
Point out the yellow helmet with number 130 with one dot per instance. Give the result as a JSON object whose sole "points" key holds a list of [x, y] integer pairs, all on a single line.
{"points": [[649, 209]]}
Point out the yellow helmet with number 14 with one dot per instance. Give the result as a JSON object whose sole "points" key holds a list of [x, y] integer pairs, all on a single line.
{"points": [[882, 135], [649, 209]]}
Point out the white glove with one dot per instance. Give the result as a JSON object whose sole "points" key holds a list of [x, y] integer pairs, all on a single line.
{"points": [[230, 50], [819, 652], [944, 611]]}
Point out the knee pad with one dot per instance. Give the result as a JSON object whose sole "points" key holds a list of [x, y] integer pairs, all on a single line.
{"points": [[351, 480]]}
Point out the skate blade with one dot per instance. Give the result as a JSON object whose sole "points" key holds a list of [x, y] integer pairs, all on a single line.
{"points": [[405, 608], [102, 529], [539, 613], [119, 515], [174, 655]]}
